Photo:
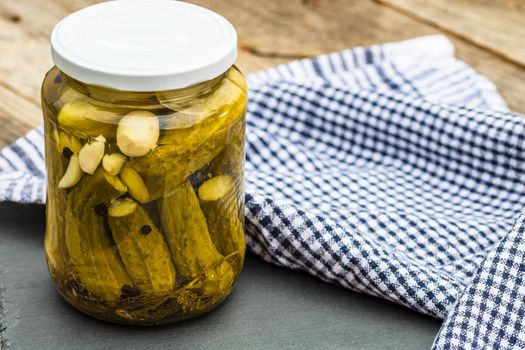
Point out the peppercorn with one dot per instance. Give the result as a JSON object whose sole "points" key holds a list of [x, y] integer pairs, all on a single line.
{"points": [[145, 229], [67, 152]]}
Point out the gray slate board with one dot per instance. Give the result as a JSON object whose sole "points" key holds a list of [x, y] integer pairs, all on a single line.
{"points": [[270, 308]]}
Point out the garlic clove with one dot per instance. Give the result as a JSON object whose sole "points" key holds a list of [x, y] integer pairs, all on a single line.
{"points": [[136, 186], [216, 188], [100, 138], [113, 163], [91, 154], [137, 133], [72, 175], [116, 183], [121, 207]]}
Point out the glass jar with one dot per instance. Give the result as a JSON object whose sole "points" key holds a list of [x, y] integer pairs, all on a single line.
{"points": [[145, 196]]}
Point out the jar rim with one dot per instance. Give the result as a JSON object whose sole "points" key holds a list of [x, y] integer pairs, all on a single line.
{"points": [[141, 46]]}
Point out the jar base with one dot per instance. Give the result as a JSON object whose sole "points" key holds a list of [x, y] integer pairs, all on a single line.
{"points": [[113, 315]]}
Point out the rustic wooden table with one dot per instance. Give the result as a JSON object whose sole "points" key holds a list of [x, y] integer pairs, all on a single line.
{"points": [[488, 34]]}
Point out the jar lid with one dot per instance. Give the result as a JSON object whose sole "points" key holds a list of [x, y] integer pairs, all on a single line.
{"points": [[138, 45]]}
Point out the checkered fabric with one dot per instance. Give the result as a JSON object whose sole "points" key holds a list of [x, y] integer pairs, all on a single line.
{"points": [[489, 314], [393, 170]]}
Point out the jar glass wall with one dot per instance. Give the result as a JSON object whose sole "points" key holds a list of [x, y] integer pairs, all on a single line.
{"points": [[145, 196]]}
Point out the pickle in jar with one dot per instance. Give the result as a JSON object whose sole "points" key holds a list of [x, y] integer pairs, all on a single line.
{"points": [[220, 198], [93, 259], [181, 151], [144, 252], [84, 119], [190, 243]]}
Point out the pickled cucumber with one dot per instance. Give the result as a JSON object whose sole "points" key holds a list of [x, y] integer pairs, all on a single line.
{"points": [[236, 77], [183, 151], [91, 255], [144, 252], [166, 161], [231, 160], [219, 199], [55, 207], [69, 94], [216, 112], [87, 120], [177, 100], [189, 240]]}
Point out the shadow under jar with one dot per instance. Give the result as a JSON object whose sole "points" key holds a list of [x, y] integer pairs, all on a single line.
{"points": [[145, 195]]}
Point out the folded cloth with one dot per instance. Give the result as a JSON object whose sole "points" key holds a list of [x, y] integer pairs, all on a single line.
{"points": [[393, 170]]}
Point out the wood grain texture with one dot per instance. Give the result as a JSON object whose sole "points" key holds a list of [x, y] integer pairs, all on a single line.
{"points": [[273, 32], [496, 25]]}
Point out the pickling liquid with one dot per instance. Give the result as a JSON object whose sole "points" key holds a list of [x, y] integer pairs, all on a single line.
{"points": [[145, 197]]}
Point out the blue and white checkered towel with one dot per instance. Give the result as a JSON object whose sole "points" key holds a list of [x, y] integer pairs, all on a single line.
{"points": [[393, 170]]}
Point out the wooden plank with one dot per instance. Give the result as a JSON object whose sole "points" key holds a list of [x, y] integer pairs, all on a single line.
{"points": [[25, 37], [278, 31], [17, 115], [508, 78], [27, 41], [273, 32], [29, 58], [497, 25]]}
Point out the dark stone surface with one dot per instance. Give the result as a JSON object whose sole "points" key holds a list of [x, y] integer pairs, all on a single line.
{"points": [[271, 308]]}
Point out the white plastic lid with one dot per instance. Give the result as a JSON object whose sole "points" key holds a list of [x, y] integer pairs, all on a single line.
{"points": [[138, 45]]}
